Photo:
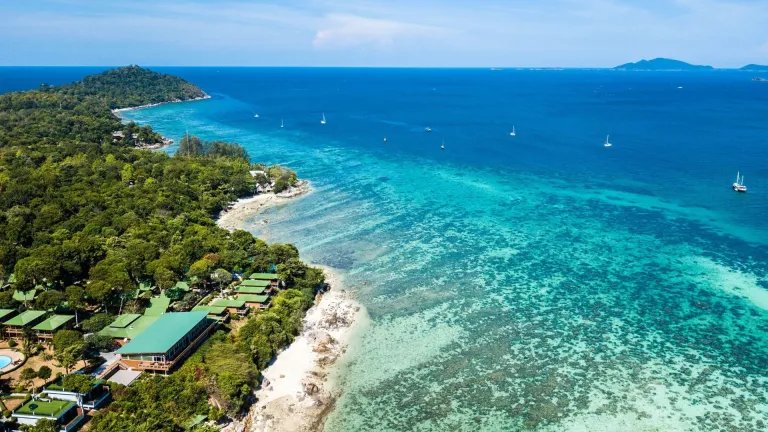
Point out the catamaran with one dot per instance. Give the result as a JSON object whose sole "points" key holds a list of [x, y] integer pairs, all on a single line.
{"points": [[323, 120], [607, 141], [513, 131], [739, 185]]}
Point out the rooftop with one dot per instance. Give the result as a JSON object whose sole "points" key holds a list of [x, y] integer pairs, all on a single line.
{"points": [[20, 296], [253, 298], [263, 276], [53, 322], [182, 285], [56, 385], [157, 306], [124, 320], [25, 318], [54, 408], [228, 303], [255, 283], [211, 310], [130, 330], [250, 290], [5, 312], [163, 333]]}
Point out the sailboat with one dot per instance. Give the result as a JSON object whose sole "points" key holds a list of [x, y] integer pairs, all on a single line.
{"points": [[513, 131], [607, 141], [442, 146], [281, 124], [323, 120], [427, 129], [255, 116], [739, 185], [385, 139]]}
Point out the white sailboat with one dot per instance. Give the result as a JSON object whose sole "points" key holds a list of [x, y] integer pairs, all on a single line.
{"points": [[323, 120], [607, 141], [255, 116], [282, 125], [513, 131], [442, 146], [739, 185]]}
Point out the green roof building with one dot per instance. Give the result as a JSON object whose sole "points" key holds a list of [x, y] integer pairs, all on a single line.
{"points": [[54, 323], [263, 276], [166, 342], [66, 414], [254, 301], [183, 285], [250, 290], [233, 306], [15, 326], [255, 283], [218, 313], [127, 326]]}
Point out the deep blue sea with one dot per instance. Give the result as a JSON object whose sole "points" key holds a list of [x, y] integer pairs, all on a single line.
{"points": [[537, 282]]}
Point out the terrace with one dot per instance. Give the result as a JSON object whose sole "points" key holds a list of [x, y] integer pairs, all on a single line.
{"points": [[96, 396], [66, 414]]}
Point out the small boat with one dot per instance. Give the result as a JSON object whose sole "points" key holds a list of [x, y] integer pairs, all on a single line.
{"points": [[282, 125], [607, 142], [255, 116], [323, 120], [385, 139], [513, 131], [739, 185], [427, 129], [442, 146]]}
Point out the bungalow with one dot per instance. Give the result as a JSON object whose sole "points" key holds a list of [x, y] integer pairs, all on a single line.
{"points": [[6, 314], [91, 400], [127, 327], [166, 342], [271, 277], [250, 289], [233, 306], [54, 323], [15, 326], [254, 301], [67, 415], [218, 313]]}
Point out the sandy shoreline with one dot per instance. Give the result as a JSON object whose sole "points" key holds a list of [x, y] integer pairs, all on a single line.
{"points": [[296, 394], [245, 208], [116, 111]]}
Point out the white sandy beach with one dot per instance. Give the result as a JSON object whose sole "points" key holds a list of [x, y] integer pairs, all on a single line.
{"points": [[117, 111], [296, 394], [246, 208]]}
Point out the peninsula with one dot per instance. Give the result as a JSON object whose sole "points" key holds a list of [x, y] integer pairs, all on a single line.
{"points": [[662, 64], [112, 249], [754, 68]]}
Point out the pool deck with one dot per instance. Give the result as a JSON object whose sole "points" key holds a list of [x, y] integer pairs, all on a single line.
{"points": [[17, 359]]}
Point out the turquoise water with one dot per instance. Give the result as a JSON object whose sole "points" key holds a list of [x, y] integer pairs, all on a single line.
{"points": [[541, 282], [5, 361]]}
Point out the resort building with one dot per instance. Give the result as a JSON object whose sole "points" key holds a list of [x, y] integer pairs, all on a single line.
{"points": [[6, 314], [254, 301], [218, 313], [54, 323], [254, 287], [233, 306], [67, 415], [93, 399], [25, 296], [15, 326], [271, 277], [166, 342], [127, 326]]}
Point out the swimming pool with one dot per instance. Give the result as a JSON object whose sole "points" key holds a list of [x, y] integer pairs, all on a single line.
{"points": [[4, 361]]}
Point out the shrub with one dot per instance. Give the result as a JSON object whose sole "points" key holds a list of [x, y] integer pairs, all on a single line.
{"points": [[12, 343]]}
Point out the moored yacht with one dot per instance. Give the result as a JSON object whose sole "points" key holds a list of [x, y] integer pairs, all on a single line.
{"points": [[739, 185]]}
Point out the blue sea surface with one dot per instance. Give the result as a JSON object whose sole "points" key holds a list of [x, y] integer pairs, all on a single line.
{"points": [[538, 282]]}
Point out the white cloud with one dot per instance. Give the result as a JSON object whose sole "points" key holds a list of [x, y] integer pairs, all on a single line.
{"points": [[345, 31]]}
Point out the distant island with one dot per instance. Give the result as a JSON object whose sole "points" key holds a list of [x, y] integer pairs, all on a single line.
{"points": [[755, 68], [661, 64]]}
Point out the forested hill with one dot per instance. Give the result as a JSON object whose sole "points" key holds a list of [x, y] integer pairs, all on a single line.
{"points": [[134, 86], [81, 111]]}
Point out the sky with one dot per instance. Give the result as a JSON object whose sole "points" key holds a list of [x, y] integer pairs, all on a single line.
{"points": [[398, 33]]}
